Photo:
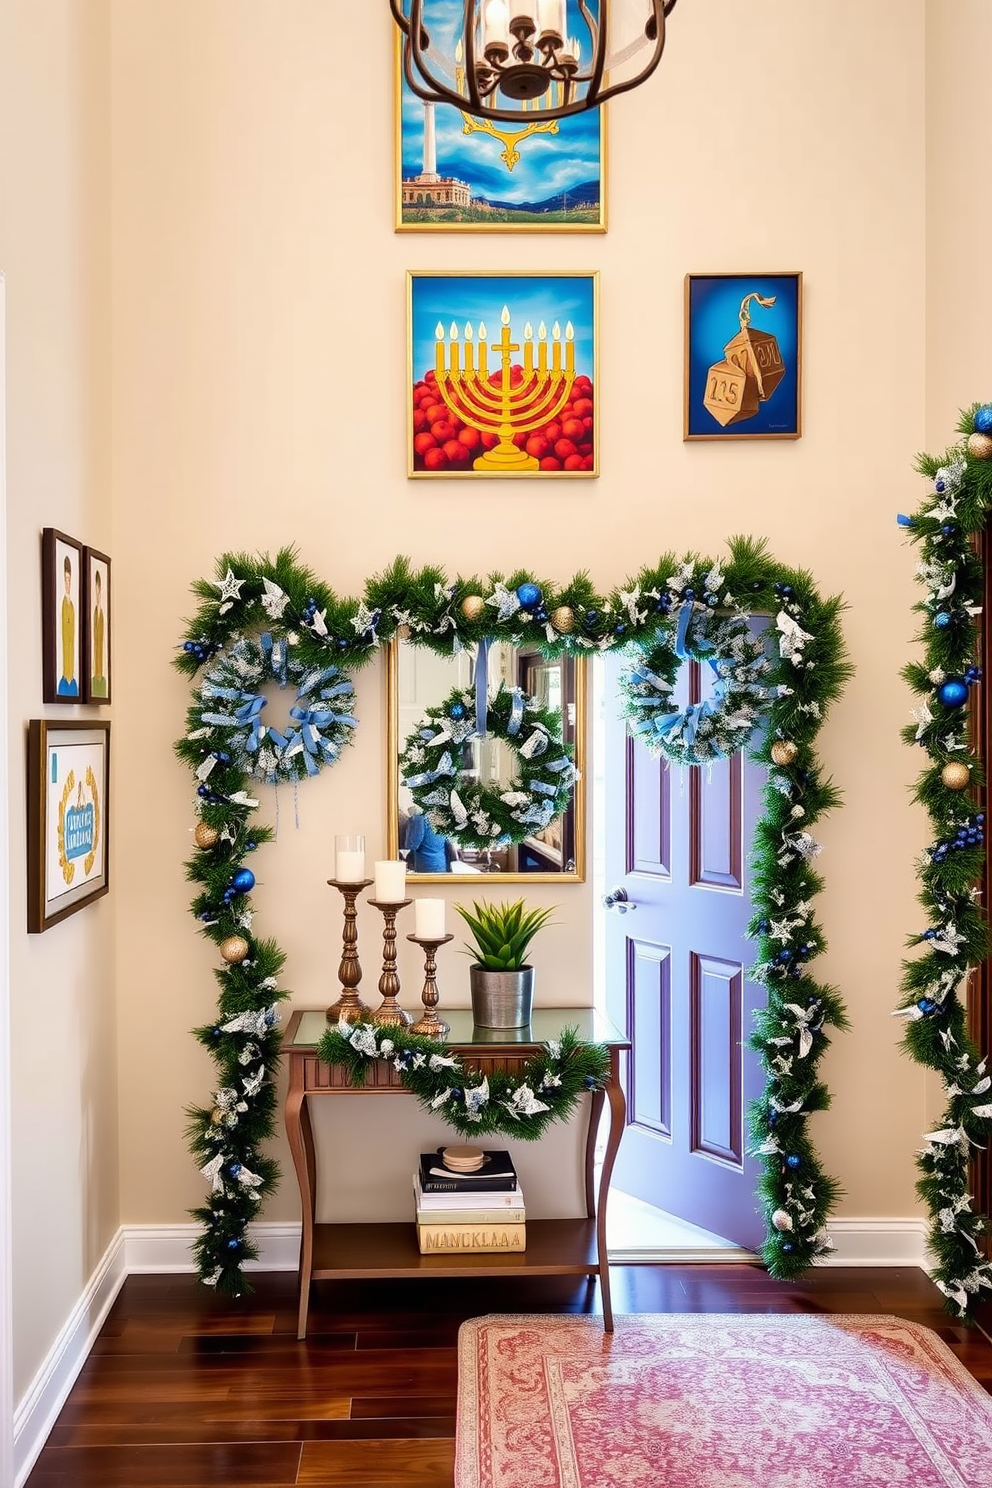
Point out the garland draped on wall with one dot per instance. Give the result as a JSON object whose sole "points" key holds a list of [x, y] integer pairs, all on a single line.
{"points": [[263, 620], [955, 936]]}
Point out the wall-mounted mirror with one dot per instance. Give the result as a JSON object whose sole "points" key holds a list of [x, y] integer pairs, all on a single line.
{"points": [[418, 679]]}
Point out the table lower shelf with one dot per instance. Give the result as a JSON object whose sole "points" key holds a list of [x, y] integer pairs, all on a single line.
{"points": [[555, 1247]]}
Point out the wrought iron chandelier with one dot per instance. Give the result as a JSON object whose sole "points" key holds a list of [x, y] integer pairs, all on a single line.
{"points": [[521, 60]]}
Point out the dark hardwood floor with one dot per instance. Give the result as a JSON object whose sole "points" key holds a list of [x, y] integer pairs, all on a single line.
{"points": [[184, 1389]]}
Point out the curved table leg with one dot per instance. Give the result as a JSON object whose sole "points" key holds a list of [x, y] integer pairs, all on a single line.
{"points": [[618, 1116], [300, 1135]]}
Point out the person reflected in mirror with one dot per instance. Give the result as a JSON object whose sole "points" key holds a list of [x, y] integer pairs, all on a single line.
{"points": [[428, 851]]}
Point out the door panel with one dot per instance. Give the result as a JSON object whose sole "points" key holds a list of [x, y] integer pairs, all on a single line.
{"points": [[677, 841], [650, 1030]]}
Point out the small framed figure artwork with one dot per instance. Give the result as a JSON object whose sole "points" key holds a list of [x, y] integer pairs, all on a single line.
{"points": [[68, 822], [96, 626], [502, 375], [743, 356], [61, 619]]}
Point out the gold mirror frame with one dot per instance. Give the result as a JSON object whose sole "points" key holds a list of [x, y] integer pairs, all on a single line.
{"points": [[576, 875]]}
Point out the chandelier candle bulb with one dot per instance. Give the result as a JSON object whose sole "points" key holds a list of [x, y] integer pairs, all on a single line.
{"points": [[428, 919], [390, 881], [349, 859]]}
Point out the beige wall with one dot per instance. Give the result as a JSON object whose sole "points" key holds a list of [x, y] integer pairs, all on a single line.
{"points": [[259, 373], [54, 252], [256, 369], [959, 213]]}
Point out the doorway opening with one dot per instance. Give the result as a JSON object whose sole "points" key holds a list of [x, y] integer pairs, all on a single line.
{"points": [[683, 1160]]}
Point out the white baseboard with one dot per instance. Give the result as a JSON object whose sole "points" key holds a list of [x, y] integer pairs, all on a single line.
{"points": [[856, 1242], [879, 1242], [35, 1415], [166, 1248], [161, 1249]]}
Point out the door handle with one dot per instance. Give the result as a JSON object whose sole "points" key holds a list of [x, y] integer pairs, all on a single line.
{"points": [[618, 900]]}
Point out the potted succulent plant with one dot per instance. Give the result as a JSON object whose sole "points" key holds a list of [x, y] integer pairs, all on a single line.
{"points": [[501, 980]]}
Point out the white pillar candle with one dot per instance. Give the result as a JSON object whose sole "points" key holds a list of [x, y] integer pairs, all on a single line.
{"points": [[428, 919], [349, 867], [349, 858], [390, 881]]}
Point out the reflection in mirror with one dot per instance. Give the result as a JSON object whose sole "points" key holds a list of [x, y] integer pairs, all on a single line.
{"points": [[419, 679]]}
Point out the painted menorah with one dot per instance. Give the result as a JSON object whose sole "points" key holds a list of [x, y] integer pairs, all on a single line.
{"points": [[493, 403]]}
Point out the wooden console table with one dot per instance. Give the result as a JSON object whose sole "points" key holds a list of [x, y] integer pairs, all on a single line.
{"points": [[555, 1247]]}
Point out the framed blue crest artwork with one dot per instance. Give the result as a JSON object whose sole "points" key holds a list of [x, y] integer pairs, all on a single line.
{"points": [[457, 173], [67, 818], [743, 356]]}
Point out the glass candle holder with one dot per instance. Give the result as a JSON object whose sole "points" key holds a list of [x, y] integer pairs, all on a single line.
{"points": [[349, 857]]}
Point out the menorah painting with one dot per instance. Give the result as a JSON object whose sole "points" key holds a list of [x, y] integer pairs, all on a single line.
{"points": [[503, 375], [743, 356]]}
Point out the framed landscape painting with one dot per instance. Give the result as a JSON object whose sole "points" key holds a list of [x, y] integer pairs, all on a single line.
{"points": [[456, 173], [68, 787], [502, 375], [743, 356]]}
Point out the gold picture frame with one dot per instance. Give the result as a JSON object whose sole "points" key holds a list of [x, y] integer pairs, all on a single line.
{"points": [[533, 850], [503, 370], [487, 176]]}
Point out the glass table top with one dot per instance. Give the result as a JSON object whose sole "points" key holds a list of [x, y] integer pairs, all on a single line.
{"points": [[547, 1023]]}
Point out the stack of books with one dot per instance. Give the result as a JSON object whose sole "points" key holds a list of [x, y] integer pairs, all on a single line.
{"points": [[461, 1210]]}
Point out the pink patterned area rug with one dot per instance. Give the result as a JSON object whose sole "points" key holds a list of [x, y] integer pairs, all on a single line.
{"points": [[716, 1401]]}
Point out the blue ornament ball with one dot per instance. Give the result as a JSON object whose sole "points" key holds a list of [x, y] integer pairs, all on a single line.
{"points": [[953, 692], [243, 881], [590, 619], [983, 419], [457, 710], [941, 621], [903, 520], [234, 1244], [793, 1160], [787, 1245], [529, 596]]}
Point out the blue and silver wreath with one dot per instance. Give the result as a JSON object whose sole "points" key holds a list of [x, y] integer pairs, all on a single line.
{"points": [[228, 716], [739, 696], [432, 764]]}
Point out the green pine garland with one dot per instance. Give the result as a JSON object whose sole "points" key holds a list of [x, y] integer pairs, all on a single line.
{"points": [[256, 597], [476, 1105], [956, 938]]}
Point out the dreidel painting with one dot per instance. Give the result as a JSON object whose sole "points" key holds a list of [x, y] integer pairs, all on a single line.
{"points": [[743, 356]]}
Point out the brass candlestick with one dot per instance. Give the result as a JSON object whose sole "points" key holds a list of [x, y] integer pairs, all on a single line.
{"points": [[349, 1007], [430, 1023], [389, 1014]]}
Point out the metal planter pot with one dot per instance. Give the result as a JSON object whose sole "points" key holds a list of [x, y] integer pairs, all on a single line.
{"points": [[501, 999]]}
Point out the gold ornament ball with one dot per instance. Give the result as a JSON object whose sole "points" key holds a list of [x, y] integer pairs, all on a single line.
{"points": [[563, 619], [784, 752], [234, 949], [980, 446], [955, 775], [205, 835], [473, 607]]}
